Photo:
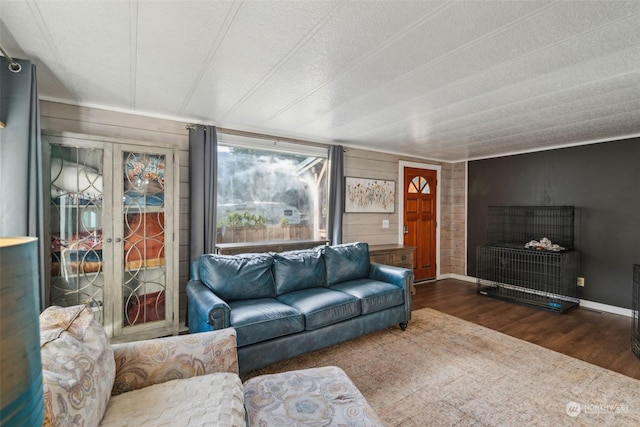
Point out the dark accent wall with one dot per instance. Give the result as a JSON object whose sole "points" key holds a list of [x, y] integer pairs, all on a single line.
{"points": [[601, 180]]}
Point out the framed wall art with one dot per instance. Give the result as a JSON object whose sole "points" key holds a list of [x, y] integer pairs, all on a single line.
{"points": [[366, 195]]}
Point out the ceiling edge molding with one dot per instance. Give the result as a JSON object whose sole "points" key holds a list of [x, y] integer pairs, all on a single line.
{"points": [[558, 147]]}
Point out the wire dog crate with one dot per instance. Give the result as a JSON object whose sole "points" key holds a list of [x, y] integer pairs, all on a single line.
{"points": [[535, 278], [517, 225], [539, 278], [635, 325]]}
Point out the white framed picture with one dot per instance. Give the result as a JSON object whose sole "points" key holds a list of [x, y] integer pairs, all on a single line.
{"points": [[365, 195]]}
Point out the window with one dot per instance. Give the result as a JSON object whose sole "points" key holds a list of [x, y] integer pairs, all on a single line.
{"points": [[269, 191], [419, 185]]}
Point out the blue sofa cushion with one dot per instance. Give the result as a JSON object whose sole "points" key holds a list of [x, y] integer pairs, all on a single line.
{"points": [[297, 270], [237, 277], [322, 306], [349, 261], [373, 294], [262, 319]]}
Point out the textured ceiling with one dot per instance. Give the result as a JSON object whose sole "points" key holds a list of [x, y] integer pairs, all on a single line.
{"points": [[446, 80]]}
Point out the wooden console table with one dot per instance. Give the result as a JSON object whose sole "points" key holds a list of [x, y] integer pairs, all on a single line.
{"points": [[267, 246], [393, 254]]}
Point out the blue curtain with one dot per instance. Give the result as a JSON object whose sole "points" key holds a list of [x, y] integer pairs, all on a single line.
{"points": [[336, 194], [203, 159], [21, 167]]}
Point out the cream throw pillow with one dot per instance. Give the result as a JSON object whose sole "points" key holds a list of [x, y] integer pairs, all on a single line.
{"points": [[77, 365]]}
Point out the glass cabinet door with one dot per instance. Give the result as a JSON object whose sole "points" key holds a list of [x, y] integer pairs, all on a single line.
{"points": [[113, 225], [76, 215], [143, 210]]}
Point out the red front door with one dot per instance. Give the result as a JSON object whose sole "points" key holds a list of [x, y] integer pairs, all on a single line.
{"points": [[420, 219]]}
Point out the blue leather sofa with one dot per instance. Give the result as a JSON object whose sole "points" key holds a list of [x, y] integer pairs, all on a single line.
{"points": [[289, 303]]}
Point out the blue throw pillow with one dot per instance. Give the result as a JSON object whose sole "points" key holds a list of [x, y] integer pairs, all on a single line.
{"points": [[238, 277], [296, 270], [349, 261]]}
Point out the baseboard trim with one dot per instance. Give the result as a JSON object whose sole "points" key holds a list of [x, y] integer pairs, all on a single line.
{"points": [[598, 306], [590, 305], [457, 277]]}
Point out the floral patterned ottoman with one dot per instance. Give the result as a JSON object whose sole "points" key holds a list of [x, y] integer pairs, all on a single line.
{"points": [[318, 396]]}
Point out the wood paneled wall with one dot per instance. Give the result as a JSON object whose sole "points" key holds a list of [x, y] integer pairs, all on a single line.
{"points": [[368, 227], [358, 163]]}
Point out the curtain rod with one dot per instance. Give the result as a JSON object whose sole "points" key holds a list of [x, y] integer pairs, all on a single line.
{"points": [[262, 136], [14, 66]]}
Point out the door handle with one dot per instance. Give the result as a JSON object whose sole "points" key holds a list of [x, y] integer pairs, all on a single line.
{"points": [[405, 229]]}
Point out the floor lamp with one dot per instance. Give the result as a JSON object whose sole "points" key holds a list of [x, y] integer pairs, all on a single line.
{"points": [[21, 399]]}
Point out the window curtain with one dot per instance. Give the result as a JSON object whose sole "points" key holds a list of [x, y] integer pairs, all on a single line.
{"points": [[336, 194], [21, 167], [203, 159]]}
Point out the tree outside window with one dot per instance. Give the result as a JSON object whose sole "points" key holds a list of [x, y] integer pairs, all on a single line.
{"points": [[270, 195]]}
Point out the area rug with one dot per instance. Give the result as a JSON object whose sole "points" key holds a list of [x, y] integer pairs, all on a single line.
{"points": [[444, 371]]}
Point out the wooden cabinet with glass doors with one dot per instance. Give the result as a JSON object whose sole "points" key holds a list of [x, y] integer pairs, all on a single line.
{"points": [[113, 223]]}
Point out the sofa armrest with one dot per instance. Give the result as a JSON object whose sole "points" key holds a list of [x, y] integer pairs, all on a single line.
{"points": [[402, 277], [206, 310], [143, 363]]}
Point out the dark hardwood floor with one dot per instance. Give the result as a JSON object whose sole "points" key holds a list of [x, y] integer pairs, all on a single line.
{"points": [[600, 338]]}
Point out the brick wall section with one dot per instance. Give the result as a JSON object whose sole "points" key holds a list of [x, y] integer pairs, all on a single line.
{"points": [[446, 198], [452, 221], [458, 214]]}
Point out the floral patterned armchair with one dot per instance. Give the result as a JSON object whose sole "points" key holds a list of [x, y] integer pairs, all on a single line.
{"points": [[183, 380]]}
